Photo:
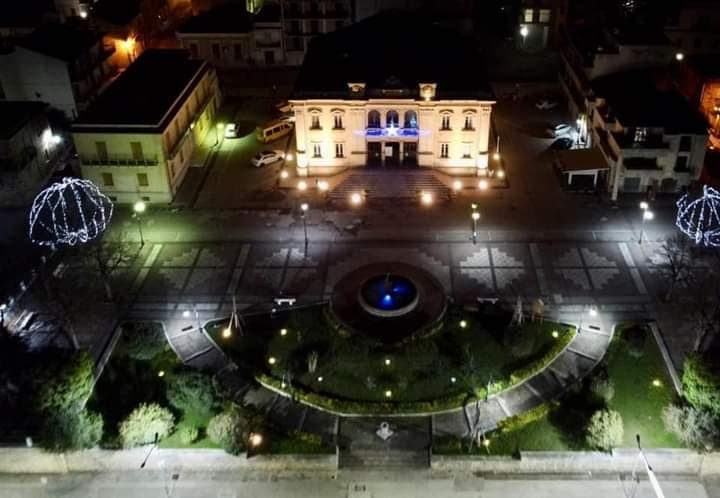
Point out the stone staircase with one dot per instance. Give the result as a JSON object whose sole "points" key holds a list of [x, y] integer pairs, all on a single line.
{"points": [[379, 459], [391, 184]]}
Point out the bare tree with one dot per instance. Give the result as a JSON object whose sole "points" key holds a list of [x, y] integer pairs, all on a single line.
{"points": [[706, 299], [674, 264], [153, 14], [107, 257]]}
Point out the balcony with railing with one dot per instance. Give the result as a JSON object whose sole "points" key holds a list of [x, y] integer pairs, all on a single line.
{"points": [[652, 141], [117, 160]]}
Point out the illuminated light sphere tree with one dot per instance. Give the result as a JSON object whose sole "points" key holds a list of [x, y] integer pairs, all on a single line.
{"points": [[699, 217], [69, 212]]}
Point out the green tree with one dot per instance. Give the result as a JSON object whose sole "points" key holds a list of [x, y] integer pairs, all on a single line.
{"points": [[69, 430], [143, 423], [605, 430], [697, 428], [67, 388], [701, 383], [193, 392], [143, 340]]}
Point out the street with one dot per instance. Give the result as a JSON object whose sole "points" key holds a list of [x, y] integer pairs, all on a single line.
{"points": [[348, 485]]}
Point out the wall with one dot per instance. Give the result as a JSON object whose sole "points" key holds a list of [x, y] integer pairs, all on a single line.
{"points": [[226, 44], [631, 57], [27, 75]]}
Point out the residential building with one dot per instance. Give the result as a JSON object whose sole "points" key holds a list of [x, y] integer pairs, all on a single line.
{"points": [[540, 23], [27, 147], [230, 36], [58, 64], [694, 28], [405, 98], [303, 20], [137, 139], [652, 138], [457, 14], [698, 78]]}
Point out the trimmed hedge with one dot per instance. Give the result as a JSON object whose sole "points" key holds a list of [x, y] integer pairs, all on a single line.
{"points": [[439, 404], [517, 422]]}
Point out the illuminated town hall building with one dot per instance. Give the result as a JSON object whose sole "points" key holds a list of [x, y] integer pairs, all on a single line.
{"points": [[392, 91]]}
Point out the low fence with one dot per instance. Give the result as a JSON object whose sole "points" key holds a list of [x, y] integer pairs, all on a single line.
{"points": [[36, 461], [663, 461]]}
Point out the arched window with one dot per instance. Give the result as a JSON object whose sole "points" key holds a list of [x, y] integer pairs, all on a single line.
{"points": [[410, 119], [373, 119], [392, 119]]}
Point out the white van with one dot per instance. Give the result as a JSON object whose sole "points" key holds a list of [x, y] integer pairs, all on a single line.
{"points": [[273, 130]]}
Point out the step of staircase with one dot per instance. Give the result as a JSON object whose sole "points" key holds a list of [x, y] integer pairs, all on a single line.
{"points": [[390, 184], [382, 459]]}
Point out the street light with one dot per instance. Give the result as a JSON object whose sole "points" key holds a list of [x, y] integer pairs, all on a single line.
{"points": [[524, 32], [3, 307], [646, 216], [496, 155], [426, 198], [218, 128], [592, 313], [651, 474], [284, 174], [302, 185], [356, 198], [139, 208], [475, 217], [304, 207], [679, 56], [457, 186], [323, 186], [483, 184]]}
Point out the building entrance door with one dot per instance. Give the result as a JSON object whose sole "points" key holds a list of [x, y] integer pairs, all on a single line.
{"points": [[410, 154], [374, 154], [391, 153]]}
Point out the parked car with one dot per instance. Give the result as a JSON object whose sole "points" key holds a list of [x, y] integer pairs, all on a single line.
{"points": [[546, 105], [231, 130], [265, 157], [563, 143], [560, 130]]}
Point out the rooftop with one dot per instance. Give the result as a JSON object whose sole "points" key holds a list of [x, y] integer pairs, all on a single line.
{"points": [[581, 160], [117, 12], [143, 95], [393, 50], [706, 65], [15, 114], [60, 41], [640, 98]]}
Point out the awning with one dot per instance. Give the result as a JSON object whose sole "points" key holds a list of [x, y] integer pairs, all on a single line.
{"points": [[581, 160]]}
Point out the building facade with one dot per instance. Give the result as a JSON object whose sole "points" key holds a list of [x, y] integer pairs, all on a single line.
{"points": [[229, 36], [27, 149], [57, 64], [138, 138], [303, 20], [652, 138], [361, 103], [539, 23], [695, 27]]}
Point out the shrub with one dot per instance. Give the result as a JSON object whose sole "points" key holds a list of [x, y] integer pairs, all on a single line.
{"points": [[701, 384], [193, 392], [603, 388], [143, 340], [189, 434], [447, 445], [696, 428], [69, 430], [67, 389], [635, 337], [299, 442], [521, 341], [231, 429], [143, 423], [605, 430]]}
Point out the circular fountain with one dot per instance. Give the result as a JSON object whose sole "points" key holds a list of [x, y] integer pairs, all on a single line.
{"points": [[388, 296], [388, 302]]}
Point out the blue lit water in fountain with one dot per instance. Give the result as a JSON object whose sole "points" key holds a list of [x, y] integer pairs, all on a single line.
{"points": [[389, 292]]}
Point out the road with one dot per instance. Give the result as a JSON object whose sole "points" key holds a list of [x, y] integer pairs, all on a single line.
{"points": [[352, 485]]}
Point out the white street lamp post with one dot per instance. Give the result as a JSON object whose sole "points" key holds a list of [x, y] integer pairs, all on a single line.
{"points": [[651, 474], [139, 208], [646, 216], [524, 33], [475, 217], [304, 207]]}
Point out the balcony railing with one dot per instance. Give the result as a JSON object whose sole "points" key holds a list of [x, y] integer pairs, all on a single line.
{"points": [[117, 160], [627, 141], [391, 132]]}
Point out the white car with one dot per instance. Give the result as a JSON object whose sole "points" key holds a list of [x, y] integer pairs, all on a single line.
{"points": [[265, 157], [561, 130], [546, 105], [231, 130]]}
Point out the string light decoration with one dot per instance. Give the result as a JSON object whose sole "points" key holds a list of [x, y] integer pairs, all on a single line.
{"points": [[69, 212], [699, 217]]}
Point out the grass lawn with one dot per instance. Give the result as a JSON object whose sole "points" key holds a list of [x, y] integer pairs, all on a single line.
{"points": [[638, 399], [467, 351]]}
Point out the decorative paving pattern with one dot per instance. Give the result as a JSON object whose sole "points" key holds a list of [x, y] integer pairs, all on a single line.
{"points": [[478, 258], [577, 277], [595, 260], [571, 259]]}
